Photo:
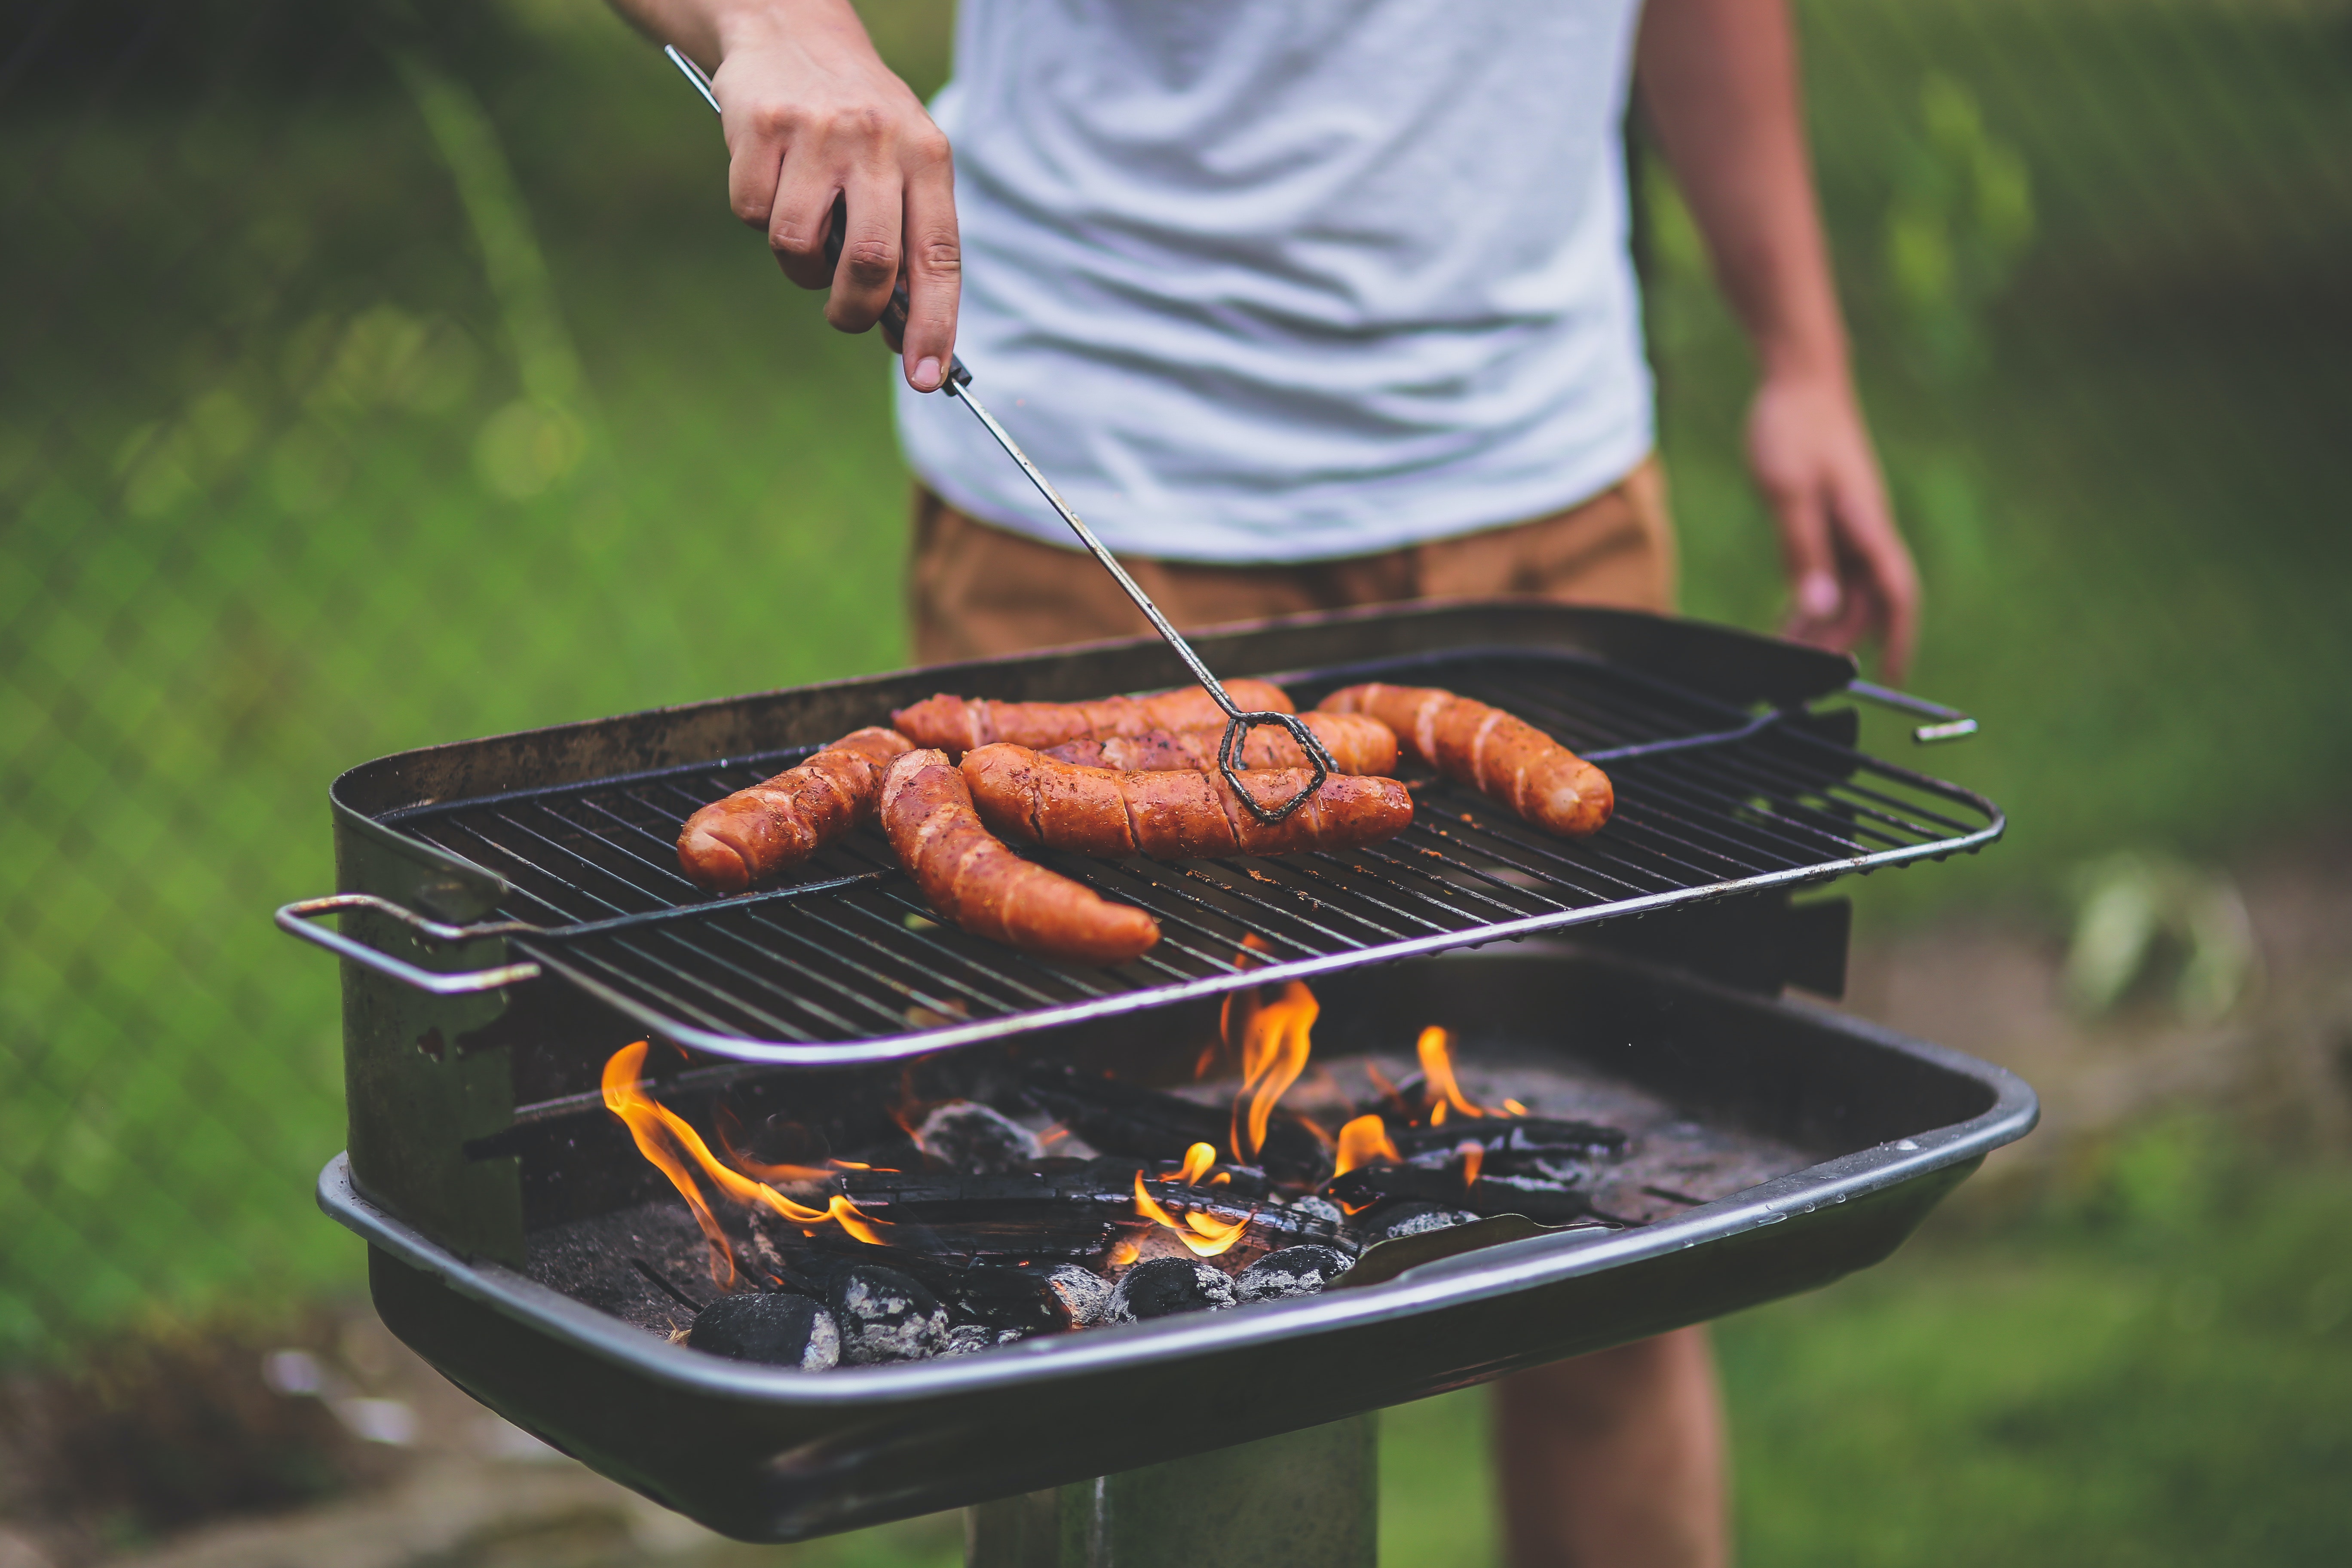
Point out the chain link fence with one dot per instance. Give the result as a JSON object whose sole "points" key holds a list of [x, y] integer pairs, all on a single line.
{"points": [[380, 374]]}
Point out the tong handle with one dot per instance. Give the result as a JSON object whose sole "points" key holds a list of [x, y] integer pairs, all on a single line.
{"points": [[894, 314], [1238, 724]]}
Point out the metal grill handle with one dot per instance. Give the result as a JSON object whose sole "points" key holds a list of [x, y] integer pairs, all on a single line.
{"points": [[295, 919], [1951, 724], [958, 384]]}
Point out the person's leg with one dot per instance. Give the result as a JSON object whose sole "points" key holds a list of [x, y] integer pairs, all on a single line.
{"points": [[1615, 549], [1616, 1459], [974, 591]]}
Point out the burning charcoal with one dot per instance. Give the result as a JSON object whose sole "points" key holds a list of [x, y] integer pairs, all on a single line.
{"points": [[1293, 1271], [1545, 1200], [1019, 1302], [1315, 1208], [884, 1314], [777, 1329], [1312, 1207], [1085, 1294], [975, 1140], [1147, 1124], [1562, 1153], [1160, 1286], [995, 1296], [1413, 1219]]}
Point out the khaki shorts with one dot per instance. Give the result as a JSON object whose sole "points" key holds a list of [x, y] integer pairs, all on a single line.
{"points": [[975, 590]]}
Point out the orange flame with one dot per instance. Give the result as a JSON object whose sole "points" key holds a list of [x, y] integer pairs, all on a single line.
{"points": [[1123, 1253], [1473, 1155], [1204, 1237], [1274, 1053], [655, 1127], [1437, 1073], [1361, 1141], [1197, 1161], [1253, 947], [767, 1173]]}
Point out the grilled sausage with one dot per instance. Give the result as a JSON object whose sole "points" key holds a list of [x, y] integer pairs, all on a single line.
{"points": [[957, 725], [980, 884], [1169, 815], [1508, 759], [1357, 745], [757, 832]]}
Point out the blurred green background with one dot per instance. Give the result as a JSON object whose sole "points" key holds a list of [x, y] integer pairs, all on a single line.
{"points": [[376, 376]]}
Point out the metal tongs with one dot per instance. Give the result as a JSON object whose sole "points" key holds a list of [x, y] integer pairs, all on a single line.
{"points": [[958, 385]]}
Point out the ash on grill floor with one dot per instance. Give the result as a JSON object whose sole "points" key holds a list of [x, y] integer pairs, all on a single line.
{"points": [[990, 1241]]}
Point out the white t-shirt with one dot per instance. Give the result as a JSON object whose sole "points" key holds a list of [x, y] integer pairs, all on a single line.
{"points": [[1275, 280]]}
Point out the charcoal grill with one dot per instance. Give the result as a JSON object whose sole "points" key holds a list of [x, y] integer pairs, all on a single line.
{"points": [[839, 964], [513, 916]]}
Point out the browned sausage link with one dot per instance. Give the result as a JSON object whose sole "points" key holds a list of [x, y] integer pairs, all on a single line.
{"points": [[757, 832], [980, 885], [1508, 759], [1357, 745], [1170, 816], [957, 725]]}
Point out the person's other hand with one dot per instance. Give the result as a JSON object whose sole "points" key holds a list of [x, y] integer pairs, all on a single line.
{"points": [[1849, 575], [810, 113]]}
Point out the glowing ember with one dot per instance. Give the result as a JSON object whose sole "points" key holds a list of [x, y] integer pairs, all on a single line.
{"points": [[1202, 1235], [1514, 1107], [1361, 1141], [1124, 1253], [1274, 1053], [656, 1129]]}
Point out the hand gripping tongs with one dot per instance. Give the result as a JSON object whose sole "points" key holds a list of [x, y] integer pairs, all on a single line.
{"points": [[958, 385]]}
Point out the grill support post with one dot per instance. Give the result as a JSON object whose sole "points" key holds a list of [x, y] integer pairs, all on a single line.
{"points": [[1304, 1500]]}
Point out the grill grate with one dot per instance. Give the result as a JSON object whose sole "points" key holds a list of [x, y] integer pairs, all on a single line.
{"points": [[842, 963]]}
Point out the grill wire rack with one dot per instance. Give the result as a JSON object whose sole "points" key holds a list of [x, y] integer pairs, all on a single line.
{"points": [[844, 962]]}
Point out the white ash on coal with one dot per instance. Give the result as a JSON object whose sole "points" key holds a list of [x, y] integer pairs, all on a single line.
{"points": [[773, 1327], [1310, 1206], [971, 1339], [883, 1314], [1162, 1287], [1084, 1293], [1542, 1199], [1303, 1270], [996, 1296], [1394, 1220], [975, 1140], [1531, 1150]]}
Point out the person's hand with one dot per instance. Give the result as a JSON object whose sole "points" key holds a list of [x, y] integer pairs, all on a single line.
{"points": [[812, 113], [1850, 575]]}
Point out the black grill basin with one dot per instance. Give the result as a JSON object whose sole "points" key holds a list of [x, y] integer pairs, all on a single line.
{"points": [[762, 1454]]}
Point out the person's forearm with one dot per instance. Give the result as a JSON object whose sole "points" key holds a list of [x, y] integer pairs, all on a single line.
{"points": [[701, 28], [835, 156], [1719, 79]]}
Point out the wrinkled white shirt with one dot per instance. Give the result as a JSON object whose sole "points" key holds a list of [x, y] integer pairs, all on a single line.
{"points": [[1275, 280]]}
